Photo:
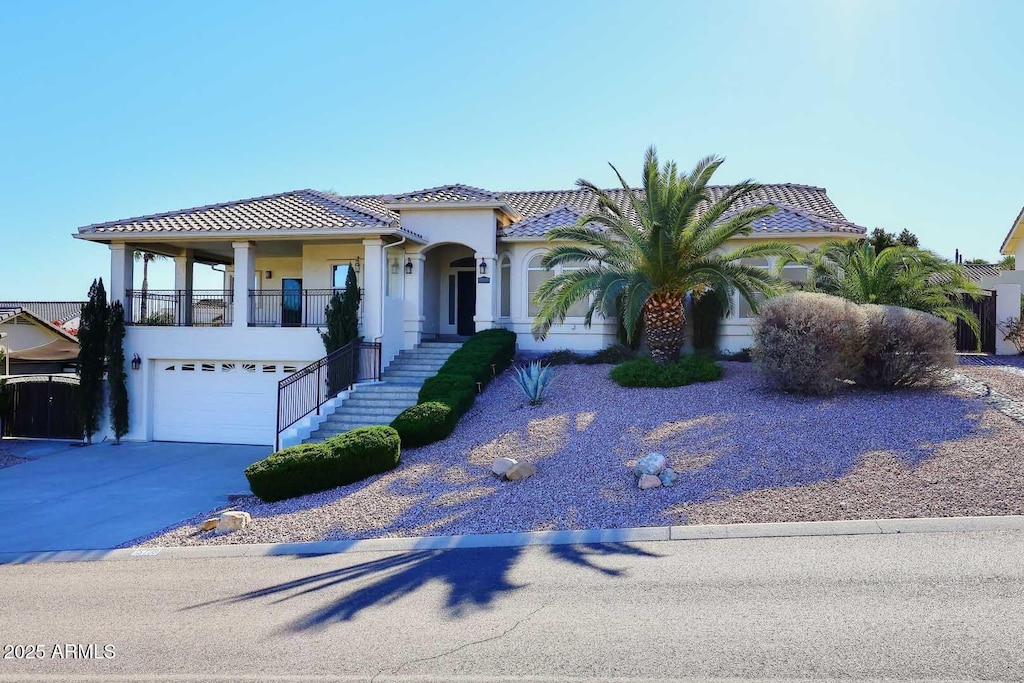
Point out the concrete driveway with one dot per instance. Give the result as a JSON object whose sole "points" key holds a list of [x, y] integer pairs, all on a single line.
{"points": [[101, 496]]}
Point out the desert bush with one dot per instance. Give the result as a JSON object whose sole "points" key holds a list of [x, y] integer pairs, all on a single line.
{"points": [[644, 372], [561, 357], [905, 347], [611, 355], [339, 460], [425, 423], [809, 343], [1013, 332]]}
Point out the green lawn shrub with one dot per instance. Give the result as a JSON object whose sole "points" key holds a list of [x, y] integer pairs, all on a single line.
{"points": [[905, 347], [644, 372], [340, 460], [425, 423], [458, 391], [809, 343]]}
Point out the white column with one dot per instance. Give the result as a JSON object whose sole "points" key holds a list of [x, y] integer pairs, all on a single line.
{"points": [[373, 288], [245, 275], [122, 272], [412, 316], [1007, 306], [485, 291], [183, 267]]}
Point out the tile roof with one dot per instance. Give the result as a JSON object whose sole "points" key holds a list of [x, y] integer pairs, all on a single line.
{"points": [[445, 194], [13, 312], [802, 208], [51, 311], [297, 210]]}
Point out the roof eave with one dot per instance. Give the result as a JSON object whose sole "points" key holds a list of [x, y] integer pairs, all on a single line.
{"points": [[504, 207], [257, 234], [1009, 245]]}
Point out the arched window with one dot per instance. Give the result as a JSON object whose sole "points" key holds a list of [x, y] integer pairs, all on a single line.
{"points": [[536, 275], [505, 273], [745, 311]]}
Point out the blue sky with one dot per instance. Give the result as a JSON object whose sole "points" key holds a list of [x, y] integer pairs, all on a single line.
{"points": [[908, 112]]}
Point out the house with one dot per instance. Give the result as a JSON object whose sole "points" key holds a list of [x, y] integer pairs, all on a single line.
{"points": [[33, 344], [432, 263], [1008, 285]]}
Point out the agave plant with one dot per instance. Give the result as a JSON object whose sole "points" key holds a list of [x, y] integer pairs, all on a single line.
{"points": [[533, 379]]}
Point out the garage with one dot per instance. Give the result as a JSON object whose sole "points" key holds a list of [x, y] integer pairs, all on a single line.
{"points": [[217, 401]]}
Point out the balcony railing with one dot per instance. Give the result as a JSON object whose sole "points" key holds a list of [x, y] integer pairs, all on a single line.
{"points": [[179, 307], [298, 308]]}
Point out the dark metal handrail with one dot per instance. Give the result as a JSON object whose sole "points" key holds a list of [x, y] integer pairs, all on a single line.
{"points": [[307, 390]]}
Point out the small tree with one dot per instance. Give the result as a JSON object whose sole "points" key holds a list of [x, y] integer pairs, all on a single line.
{"points": [[116, 376], [350, 308], [92, 343]]}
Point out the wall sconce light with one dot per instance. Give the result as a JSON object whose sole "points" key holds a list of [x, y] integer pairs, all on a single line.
{"points": [[483, 267], [355, 266], [394, 267], [408, 266], [136, 362]]}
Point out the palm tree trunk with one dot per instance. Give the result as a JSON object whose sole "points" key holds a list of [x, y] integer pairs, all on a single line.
{"points": [[664, 317], [145, 286]]}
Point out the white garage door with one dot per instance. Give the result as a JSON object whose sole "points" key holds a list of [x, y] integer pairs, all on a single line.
{"points": [[210, 401]]}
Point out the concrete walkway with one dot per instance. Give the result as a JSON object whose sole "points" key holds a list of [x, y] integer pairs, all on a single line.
{"points": [[72, 497]]}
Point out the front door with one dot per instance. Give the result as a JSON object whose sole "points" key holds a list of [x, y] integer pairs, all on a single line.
{"points": [[291, 302], [466, 306]]}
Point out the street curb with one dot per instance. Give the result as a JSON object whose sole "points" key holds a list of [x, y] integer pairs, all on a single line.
{"points": [[701, 532]]}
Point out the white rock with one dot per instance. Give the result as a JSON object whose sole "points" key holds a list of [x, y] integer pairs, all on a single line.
{"points": [[649, 481], [232, 521], [668, 476], [502, 465], [652, 463], [520, 471]]}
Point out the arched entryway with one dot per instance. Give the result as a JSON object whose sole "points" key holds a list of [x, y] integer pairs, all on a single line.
{"points": [[449, 291]]}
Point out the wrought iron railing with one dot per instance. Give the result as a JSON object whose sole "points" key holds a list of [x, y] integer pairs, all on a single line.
{"points": [[299, 308], [179, 307], [307, 390]]}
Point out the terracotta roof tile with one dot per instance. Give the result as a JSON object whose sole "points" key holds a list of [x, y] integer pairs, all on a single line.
{"points": [[51, 311], [445, 193]]}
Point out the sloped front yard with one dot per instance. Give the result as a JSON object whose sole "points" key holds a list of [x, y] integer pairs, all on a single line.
{"points": [[745, 454]]}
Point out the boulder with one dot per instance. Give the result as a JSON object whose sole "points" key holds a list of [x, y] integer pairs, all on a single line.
{"points": [[520, 471], [649, 481], [652, 463], [502, 465], [668, 476], [232, 521], [209, 524]]}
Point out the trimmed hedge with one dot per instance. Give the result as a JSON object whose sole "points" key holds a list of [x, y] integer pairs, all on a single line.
{"points": [[455, 387], [340, 460], [458, 391], [425, 423], [644, 372]]}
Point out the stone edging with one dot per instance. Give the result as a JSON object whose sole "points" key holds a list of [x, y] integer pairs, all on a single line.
{"points": [[587, 536], [1004, 403]]}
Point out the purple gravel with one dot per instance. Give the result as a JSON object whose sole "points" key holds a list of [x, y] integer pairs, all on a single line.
{"points": [[726, 438]]}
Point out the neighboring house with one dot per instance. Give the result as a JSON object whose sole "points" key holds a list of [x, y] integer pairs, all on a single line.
{"points": [[432, 263], [34, 345], [64, 314], [1008, 284]]}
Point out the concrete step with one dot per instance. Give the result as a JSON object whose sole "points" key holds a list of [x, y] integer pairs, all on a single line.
{"points": [[409, 374], [358, 402], [366, 411], [414, 365], [450, 346]]}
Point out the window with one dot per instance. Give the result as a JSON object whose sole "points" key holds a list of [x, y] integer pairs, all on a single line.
{"points": [[339, 274], [796, 274], [536, 276], [505, 310], [745, 311]]}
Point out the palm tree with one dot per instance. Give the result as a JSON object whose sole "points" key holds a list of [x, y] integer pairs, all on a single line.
{"points": [[643, 257], [898, 276], [146, 257]]}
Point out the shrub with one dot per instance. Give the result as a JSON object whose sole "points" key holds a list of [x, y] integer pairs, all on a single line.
{"points": [[425, 423], [458, 391], [644, 372], [561, 357], [1013, 332], [808, 342], [612, 355], [905, 347], [533, 380], [483, 356], [339, 460]]}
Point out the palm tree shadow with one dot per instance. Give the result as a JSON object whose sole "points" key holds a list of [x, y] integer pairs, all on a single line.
{"points": [[475, 577]]}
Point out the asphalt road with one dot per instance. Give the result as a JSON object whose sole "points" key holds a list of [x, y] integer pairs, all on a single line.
{"points": [[914, 606]]}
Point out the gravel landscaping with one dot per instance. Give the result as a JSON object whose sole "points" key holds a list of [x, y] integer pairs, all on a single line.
{"points": [[8, 459], [744, 453]]}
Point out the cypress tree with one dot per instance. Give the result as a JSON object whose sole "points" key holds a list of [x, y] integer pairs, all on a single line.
{"points": [[350, 308], [92, 342], [116, 377], [334, 313]]}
